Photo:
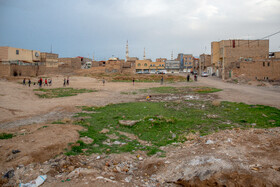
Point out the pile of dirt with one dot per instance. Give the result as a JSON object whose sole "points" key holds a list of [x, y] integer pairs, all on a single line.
{"points": [[227, 158], [35, 143]]}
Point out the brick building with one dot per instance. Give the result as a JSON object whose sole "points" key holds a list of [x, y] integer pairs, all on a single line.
{"points": [[50, 59], [227, 51], [74, 63], [186, 62], [262, 69], [148, 66]]}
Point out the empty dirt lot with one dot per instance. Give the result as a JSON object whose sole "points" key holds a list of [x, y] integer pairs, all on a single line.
{"points": [[233, 157]]}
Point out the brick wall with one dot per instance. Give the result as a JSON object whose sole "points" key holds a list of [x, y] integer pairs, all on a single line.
{"points": [[4, 70], [268, 69]]}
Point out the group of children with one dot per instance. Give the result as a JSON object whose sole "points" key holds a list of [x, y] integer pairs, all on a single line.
{"points": [[46, 82], [66, 82]]}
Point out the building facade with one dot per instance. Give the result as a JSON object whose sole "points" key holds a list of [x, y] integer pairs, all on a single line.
{"points": [[147, 66], [172, 66], [9, 54], [227, 51]]}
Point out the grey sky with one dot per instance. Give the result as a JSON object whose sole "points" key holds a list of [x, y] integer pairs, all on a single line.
{"points": [[81, 28]]}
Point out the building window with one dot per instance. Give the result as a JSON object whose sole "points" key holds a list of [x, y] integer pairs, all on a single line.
{"points": [[17, 52], [263, 63], [268, 64], [139, 64], [145, 64]]}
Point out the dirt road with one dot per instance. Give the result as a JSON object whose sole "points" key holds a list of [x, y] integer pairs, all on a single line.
{"points": [[248, 94]]}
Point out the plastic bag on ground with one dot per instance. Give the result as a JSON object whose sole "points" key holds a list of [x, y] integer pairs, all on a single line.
{"points": [[40, 180]]}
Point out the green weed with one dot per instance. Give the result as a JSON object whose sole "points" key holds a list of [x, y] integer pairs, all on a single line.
{"points": [[60, 92], [5, 136]]}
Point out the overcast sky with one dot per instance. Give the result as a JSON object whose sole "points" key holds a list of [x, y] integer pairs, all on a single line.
{"points": [[83, 27]]}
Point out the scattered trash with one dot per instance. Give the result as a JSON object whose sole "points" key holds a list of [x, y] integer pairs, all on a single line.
{"points": [[128, 179], [209, 142], [253, 124], [9, 174], [229, 140], [98, 157], [117, 143], [15, 151], [40, 180]]}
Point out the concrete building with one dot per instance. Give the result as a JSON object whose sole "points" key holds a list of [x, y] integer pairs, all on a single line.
{"points": [[74, 63], [10, 54], [161, 59], [172, 66], [50, 59], [186, 62], [225, 52], [205, 63]]}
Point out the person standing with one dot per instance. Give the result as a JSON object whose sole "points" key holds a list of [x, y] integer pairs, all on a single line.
{"points": [[41, 82], [23, 82], [64, 82], [50, 82], [46, 82], [195, 77], [133, 80], [67, 81], [188, 77], [103, 81], [161, 81], [29, 82]]}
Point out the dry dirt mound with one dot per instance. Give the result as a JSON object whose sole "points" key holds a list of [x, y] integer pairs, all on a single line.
{"points": [[36, 143], [227, 158]]}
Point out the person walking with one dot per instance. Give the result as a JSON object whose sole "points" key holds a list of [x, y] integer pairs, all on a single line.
{"points": [[64, 82], [23, 82], [161, 80], [50, 82], [41, 82], [188, 77], [133, 80], [29, 82], [195, 77], [46, 82], [67, 81], [103, 81]]}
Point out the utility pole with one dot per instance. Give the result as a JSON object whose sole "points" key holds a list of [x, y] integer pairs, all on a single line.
{"points": [[172, 55], [144, 57], [223, 73]]}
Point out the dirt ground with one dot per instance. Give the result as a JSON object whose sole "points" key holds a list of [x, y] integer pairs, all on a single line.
{"points": [[234, 158]]}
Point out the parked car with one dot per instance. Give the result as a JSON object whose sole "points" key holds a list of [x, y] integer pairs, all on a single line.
{"points": [[204, 74]]}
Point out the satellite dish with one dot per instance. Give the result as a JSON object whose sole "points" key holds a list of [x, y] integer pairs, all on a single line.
{"points": [[37, 54]]}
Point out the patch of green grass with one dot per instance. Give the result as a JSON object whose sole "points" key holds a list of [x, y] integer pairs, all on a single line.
{"points": [[205, 90], [5, 136], [180, 90], [60, 92], [164, 123]]}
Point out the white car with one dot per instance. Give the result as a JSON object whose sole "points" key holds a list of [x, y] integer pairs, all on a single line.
{"points": [[204, 74]]}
